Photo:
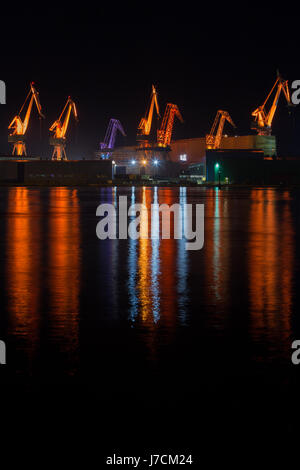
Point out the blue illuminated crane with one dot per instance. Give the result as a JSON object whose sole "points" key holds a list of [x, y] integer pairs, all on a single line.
{"points": [[107, 146]]}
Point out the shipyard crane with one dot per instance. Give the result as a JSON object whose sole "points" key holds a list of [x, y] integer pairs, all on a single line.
{"points": [[19, 126], [59, 129], [108, 145], [263, 119], [164, 134], [213, 139], [144, 127]]}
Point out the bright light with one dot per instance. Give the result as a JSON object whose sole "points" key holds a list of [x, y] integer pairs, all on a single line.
{"points": [[217, 165], [113, 162], [155, 162], [132, 162], [183, 157], [144, 162]]}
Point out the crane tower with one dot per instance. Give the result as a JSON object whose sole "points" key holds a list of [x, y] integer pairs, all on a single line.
{"points": [[213, 139], [59, 129], [262, 118], [164, 134], [20, 126], [107, 146], [144, 127]]}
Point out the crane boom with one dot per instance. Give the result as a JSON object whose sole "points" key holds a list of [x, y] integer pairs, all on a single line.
{"points": [[164, 134], [263, 119], [20, 126], [144, 127], [107, 146], [110, 136], [59, 129], [213, 141]]}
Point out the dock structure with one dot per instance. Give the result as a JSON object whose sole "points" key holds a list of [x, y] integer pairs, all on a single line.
{"points": [[34, 170]]}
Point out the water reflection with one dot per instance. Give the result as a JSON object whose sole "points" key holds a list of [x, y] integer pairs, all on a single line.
{"points": [[242, 281], [24, 267], [182, 262], [155, 259], [219, 247], [111, 267], [216, 284], [271, 249], [144, 267], [132, 270], [64, 260], [217, 256], [168, 257], [157, 269]]}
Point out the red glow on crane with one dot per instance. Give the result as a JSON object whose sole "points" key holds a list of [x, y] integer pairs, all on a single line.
{"points": [[164, 134]]}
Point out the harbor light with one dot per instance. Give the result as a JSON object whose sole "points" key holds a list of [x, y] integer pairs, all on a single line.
{"points": [[218, 170]]}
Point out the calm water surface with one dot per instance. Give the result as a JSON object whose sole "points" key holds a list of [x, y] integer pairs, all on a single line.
{"points": [[146, 317]]}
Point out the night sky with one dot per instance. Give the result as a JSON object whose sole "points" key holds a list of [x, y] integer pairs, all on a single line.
{"points": [[106, 58]]}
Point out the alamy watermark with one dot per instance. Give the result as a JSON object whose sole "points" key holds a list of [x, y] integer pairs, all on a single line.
{"points": [[2, 352], [295, 96], [295, 358], [133, 222], [2, 92]]}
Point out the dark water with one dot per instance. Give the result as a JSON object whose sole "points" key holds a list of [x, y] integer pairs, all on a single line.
{"points": [[145, 324]]}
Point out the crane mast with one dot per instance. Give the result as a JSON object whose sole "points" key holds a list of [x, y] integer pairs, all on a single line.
{"points": [[19, 126], [164, 134], [263, 119], [110, 137], [213, 139], [59, 129], [144, 127]]}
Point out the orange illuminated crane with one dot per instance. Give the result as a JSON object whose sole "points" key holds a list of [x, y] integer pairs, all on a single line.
{"points": [[213, 140], [144, 127], [263, 119], [59, 128], [17, 137], [164, 134]]}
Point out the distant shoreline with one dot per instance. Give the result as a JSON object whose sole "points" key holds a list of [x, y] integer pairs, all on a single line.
{"points": [[146, 184]]}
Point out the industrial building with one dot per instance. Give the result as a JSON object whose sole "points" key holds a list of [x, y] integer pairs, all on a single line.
{"points": [[189, 152], [235, 166], [194, 150]]}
